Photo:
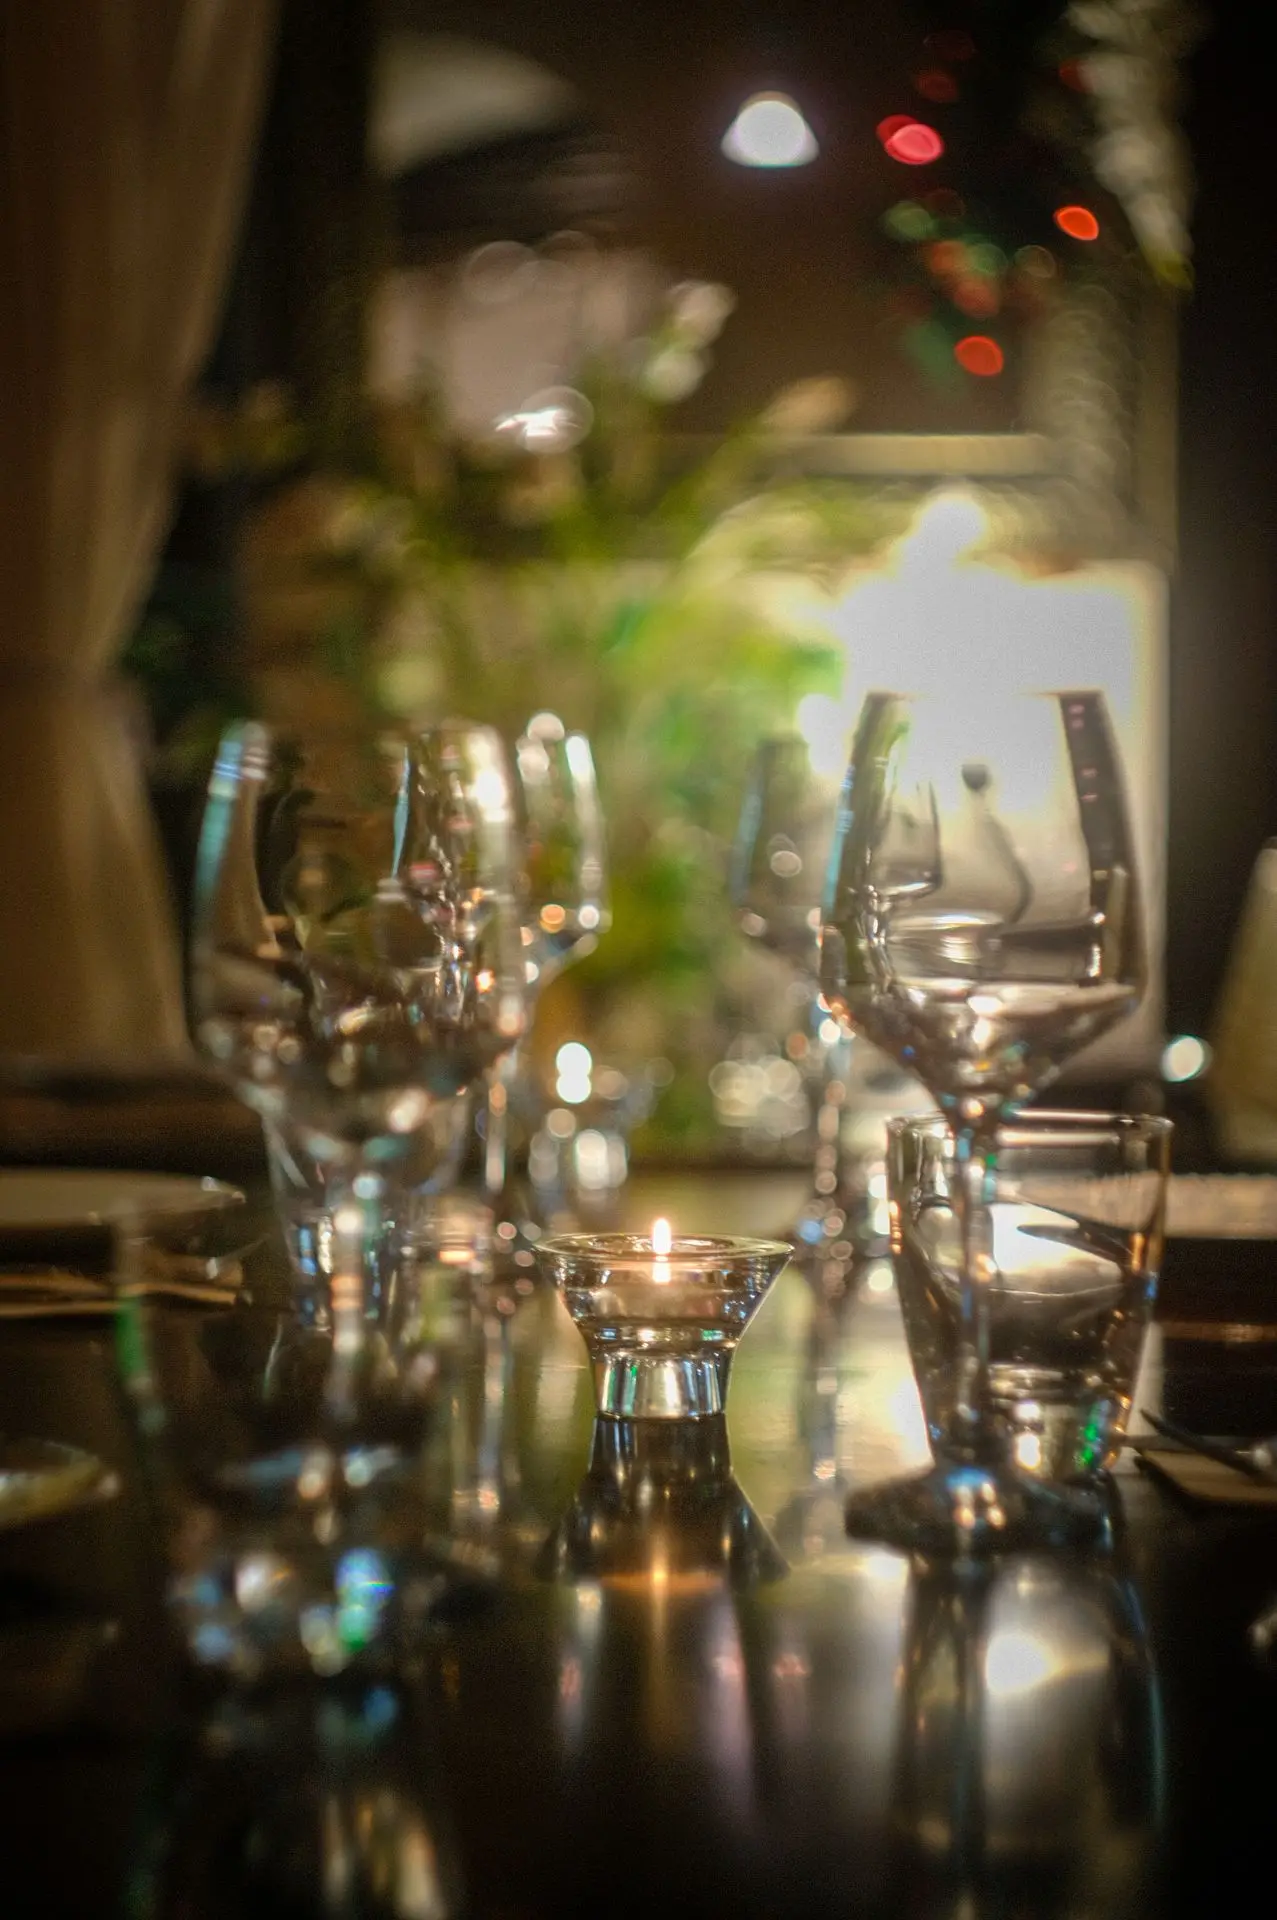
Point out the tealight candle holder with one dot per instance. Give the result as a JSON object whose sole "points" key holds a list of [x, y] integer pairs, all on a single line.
{"points": [[661, 1315]]}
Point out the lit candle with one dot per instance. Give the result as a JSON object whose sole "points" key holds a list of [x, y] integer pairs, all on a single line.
{"points": [[662, 1241]]}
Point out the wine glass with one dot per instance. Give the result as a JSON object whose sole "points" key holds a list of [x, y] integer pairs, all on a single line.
{"points": [[782, 849], [982, 924], [357, 953], [563, 908], [563, 891], [778, 870]]}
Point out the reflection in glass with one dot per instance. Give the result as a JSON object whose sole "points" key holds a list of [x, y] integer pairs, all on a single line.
{"points": [[293, 1484], [1029, 1766]]}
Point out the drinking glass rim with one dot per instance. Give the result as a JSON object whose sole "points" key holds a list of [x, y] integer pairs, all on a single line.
{"points": [[1065, 1126], [1066, 692], [686, 1249]]}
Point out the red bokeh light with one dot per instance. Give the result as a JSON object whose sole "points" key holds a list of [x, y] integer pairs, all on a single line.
{"points": [[893, 124], [935, 84], [979, 355], [945, 257], [979, 298], [915, 145], [1078, 222], [1072, 74]]}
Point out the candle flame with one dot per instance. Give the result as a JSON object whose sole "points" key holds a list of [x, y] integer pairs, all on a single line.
{"points": [[662, 1236]]}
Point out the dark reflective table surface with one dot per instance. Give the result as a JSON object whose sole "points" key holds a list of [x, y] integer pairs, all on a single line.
{"points": [[683, 1691]]}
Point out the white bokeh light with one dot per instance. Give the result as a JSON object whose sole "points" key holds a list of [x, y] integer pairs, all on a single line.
{"points": [[1185, 1058], [769, 131]]}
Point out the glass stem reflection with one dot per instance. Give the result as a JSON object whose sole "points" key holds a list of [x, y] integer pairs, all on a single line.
{"points": [[496, 1126], [358, 1229], [942, 1765], [975, 1154]]}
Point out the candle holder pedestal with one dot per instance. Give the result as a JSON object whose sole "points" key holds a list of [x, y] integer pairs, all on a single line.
{"points": [[661, 1325]]}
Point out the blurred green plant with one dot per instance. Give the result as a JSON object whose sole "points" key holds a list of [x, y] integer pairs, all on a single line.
{"points": [[661, 596]]}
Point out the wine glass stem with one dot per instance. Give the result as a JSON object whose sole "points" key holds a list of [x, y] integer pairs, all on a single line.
{"points": [[975, 1155], [358, 1224], [496, 1130]]}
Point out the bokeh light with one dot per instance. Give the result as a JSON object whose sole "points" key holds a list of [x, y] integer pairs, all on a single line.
{"points": [[888, 128], [1017, 1663], [1037, 262], [1078, 222], [985, 257], [908, 220], [976, 297], [947, 258], [574, 1067], [937, 85], [822, 721], [977, 354], [553, 421], [1073, 74], [1185, 1058], [916, 145], [927, 344], [770, 131]]}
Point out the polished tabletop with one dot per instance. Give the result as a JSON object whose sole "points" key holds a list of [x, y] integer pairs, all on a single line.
{"points": [[666, 1680]]}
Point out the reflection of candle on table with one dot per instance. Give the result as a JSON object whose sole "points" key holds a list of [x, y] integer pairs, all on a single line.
{"points": [[662, 1241]]}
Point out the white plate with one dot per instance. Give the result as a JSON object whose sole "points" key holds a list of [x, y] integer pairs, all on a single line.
{"points": [[53, 1199]]}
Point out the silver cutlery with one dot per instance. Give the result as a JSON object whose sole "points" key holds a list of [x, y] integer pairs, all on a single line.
{"points": [[1256, 1458]]}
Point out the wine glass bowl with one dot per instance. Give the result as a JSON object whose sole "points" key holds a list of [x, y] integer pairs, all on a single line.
{"points": [[782, 849], [778, 870], [563, 905], [564, 890], [357, 955], [984, 922]]}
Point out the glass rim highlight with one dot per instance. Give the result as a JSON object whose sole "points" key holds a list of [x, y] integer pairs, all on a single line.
{"points": [[686, 1249]]}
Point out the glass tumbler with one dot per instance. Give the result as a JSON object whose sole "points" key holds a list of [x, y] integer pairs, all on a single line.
{"points": [[1076, 1205]]}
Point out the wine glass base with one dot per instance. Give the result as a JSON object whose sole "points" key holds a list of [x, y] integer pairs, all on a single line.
{"points": [[958, 1509]]}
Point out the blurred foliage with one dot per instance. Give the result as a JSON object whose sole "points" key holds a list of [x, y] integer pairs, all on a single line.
{"points": [[664, 599]]}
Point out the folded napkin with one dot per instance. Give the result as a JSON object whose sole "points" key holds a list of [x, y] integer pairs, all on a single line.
{"points": [[58, 1293]]}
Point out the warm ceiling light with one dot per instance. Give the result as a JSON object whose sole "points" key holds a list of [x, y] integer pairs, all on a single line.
{"points": [[769, 131]]}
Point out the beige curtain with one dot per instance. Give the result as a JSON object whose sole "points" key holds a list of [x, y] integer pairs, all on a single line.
{"points": [[126, 131]]}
